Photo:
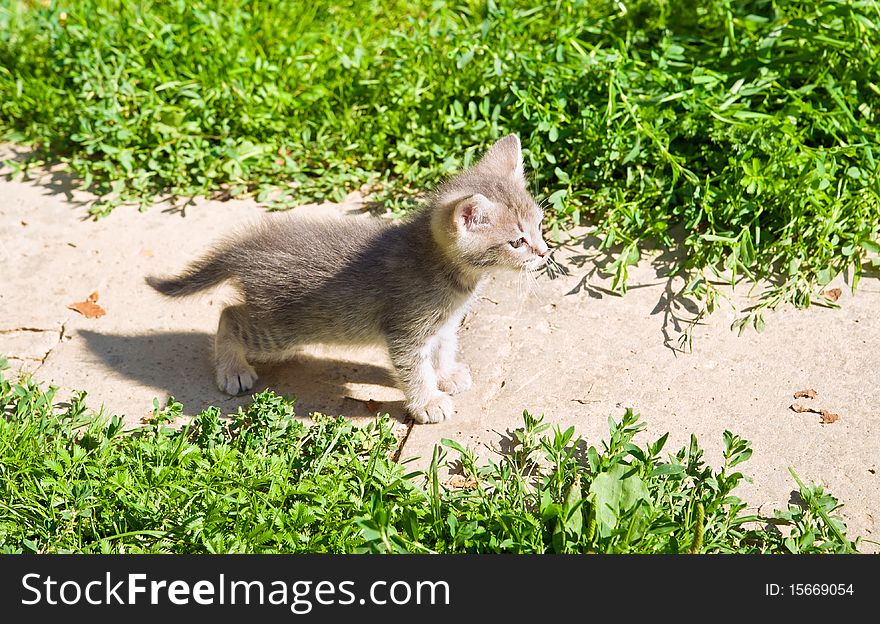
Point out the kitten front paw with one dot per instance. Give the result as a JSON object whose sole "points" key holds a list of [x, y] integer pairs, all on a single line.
{"points": [[235, 380], [437, 409], [457, 380]]}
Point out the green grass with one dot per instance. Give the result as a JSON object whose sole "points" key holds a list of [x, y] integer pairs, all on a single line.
{"points": [[744, 133], [261, 481]]}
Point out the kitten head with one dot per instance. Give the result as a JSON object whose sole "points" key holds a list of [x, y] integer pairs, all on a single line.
{"points": [[485, 216]]}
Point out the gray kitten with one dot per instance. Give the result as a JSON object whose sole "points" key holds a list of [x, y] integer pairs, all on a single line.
{"points": [[361, 281]]}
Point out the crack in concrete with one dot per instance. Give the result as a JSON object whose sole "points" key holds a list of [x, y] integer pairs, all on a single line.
{"points": [[52, 348], [29, 329], [402, 443], [34, 358]]}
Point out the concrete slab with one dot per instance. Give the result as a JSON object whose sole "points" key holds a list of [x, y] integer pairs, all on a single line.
{"points": [[566, 348], [29, 343]]}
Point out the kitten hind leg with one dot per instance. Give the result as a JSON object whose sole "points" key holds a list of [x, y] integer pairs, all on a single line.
{"points": [[452, 376], [234, 374], [414, 364]]}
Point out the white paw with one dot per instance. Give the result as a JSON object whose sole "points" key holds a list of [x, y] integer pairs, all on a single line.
{"points": [[457, 380], [236, 379], [437, 409]]}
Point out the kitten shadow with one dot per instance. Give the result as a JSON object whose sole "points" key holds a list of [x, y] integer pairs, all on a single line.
{"points": [[179, 363]]}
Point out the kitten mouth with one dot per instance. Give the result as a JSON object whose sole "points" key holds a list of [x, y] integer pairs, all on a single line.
{"points": [[534, 263]]}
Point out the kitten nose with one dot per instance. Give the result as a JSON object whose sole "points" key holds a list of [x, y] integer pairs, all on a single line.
{"points": [[542, 249]]}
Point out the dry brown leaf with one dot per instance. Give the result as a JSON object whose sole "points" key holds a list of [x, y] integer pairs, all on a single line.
{"points": [[371, 405], [827, 417], [459, 482], [89, 308], [805, 394], [832, 294], [800, 409]]}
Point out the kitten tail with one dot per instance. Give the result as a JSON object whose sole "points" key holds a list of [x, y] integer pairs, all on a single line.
{"points": [[200, 275]]}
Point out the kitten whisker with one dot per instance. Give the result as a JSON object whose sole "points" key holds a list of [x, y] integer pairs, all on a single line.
{"points": [[553, 268], [536, 287], [556, 266], [520, 290], [530, 277]]}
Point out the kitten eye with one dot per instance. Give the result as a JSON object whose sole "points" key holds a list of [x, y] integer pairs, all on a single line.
{"points": [[516, 244]]}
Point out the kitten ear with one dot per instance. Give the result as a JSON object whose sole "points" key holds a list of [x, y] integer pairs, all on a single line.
{"points": [[472, 213], [504, 159]]}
